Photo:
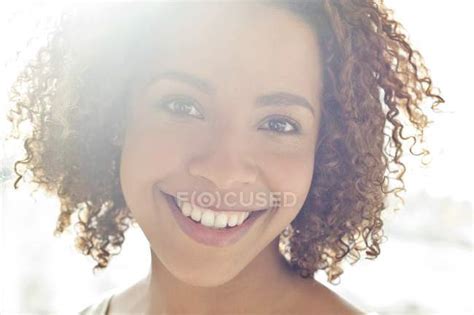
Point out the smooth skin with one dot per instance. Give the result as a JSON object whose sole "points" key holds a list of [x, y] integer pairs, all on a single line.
{"points": [[221, 140]]}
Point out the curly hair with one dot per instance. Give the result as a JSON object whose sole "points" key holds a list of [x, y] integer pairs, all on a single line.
{"points": [[74, 94]]}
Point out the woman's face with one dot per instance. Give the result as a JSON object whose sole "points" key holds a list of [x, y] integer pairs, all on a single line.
{"points": [[233, 108]]}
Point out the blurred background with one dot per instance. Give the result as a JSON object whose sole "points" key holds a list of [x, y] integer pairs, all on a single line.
{"points": [[425, 265]]}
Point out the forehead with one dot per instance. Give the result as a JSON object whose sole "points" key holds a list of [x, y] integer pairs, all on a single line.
{"points": [[246, 45]]}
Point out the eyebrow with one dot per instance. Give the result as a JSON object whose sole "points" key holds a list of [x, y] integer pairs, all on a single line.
{"points": [[278, 98], [284, 99]]}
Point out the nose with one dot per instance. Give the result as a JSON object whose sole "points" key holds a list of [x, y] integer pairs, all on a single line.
{"points": [[224, 162]]}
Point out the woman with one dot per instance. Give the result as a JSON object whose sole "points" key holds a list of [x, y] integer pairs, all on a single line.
{"points": [[157, 114]]}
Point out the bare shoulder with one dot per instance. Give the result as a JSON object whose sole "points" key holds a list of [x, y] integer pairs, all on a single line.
{"points": [[319, 299]]}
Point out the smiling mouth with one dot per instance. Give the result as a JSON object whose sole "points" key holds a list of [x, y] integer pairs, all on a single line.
{"points": [[218, 220], [205, 227]]}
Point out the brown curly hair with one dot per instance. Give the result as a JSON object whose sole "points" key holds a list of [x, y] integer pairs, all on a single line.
{"points": [[73, 93]]}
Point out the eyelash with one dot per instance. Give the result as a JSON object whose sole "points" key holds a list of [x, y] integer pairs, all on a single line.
{"points": [[290, 122], [165, 104]]}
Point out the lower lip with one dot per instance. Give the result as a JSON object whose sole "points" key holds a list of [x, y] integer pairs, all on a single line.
{"points": [[208, 236]]}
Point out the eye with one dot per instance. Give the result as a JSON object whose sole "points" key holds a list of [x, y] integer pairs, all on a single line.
{"points": [[181, 106], [282, 125]]}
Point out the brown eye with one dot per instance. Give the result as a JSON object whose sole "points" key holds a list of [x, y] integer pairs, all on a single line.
{"points": [[281, 125], [181, 107]]}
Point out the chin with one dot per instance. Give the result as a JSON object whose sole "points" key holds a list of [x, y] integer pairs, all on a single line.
{"points": [[204, 277]]}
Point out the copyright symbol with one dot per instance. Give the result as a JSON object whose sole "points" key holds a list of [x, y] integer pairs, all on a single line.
{"points": [[206, 199]]}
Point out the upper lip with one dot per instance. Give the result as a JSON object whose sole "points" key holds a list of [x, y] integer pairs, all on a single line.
{"points": [[235, 208]]}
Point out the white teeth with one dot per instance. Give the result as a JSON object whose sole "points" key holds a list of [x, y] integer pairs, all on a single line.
{"points": [[221, 220], [233, 220], [186, 209], [207, 218], [210, 218], [179, 202], [242, 217], [196, 214]]}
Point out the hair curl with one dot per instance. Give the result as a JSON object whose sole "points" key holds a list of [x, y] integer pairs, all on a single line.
{"points": [[73, 93]]}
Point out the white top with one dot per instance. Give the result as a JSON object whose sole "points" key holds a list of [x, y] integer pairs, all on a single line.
{"points": [[98, 308], [101, 307]]}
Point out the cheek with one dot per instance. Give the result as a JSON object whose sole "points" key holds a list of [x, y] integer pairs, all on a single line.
{"points": [[290, 175], [153, 152], [154, 145], [148, 156]]}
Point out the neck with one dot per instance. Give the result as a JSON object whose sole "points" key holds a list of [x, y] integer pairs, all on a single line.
{"points": [[259, 286]]}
